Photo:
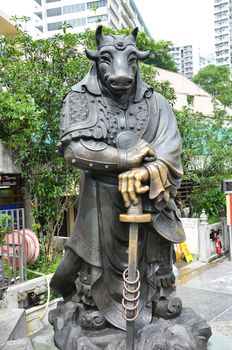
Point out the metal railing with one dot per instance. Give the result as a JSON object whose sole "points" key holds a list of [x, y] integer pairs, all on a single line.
{"points": [[12, 248]]}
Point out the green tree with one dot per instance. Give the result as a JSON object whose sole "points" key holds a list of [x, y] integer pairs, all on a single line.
{"points": [[217, 81], [35, 76], [206, 157]]}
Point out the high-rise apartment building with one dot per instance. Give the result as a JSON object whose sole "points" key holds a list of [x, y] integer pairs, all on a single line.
{"points": [[49, 15], [204, 61], [183, 56], [223, 32]]}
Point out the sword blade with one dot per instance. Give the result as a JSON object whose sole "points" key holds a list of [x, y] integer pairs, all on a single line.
{"points": [[132, 268], [133, 251]]}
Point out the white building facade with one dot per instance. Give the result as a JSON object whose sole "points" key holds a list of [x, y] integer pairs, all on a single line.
{"points": [[183, 56], [50, 15], [223, 32]]}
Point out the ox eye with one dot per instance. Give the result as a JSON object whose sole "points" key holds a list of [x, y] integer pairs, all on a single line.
{"points": [[132, 59], [105, 58]]}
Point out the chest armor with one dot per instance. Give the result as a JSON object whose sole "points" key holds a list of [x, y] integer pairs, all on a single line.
{"points": [[134, 118], [89, 116]]}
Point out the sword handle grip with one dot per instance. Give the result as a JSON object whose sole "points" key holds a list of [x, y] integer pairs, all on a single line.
{"points": [[135, 214]]}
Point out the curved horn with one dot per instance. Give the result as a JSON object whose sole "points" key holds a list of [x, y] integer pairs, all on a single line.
{"points": [[99, 35], [142, 55], [133, 34], [92, 54]]}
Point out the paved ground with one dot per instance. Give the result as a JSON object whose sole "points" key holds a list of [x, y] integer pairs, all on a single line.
{"points": [[207, 288]]}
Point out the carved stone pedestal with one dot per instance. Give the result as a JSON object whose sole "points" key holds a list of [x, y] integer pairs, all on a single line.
{"points": [[188, 331]]}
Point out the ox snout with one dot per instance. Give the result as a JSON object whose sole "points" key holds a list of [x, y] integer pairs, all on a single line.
{"points": [[120, 82]]}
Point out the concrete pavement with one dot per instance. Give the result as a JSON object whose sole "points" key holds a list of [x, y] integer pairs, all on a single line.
{"points": [[207, 288]]}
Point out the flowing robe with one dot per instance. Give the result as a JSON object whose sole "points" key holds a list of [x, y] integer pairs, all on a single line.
{"points": [[97, 251]]}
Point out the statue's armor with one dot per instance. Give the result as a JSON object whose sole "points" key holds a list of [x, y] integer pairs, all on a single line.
{"points": [[94, 117]]}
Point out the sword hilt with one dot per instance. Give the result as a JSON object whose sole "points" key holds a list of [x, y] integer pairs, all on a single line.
{"points": [[135, 214]]}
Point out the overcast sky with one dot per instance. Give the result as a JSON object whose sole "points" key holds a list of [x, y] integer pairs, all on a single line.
{"points": [[181, 21]]}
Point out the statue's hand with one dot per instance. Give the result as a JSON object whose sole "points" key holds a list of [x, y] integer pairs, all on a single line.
{"points": [[130, 184], [136, 155]]}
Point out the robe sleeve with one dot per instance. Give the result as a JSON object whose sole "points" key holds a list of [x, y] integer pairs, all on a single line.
{"points": [[166, 171]]}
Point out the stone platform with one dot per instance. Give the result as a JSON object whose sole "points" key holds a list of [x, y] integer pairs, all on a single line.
{"points": [[188, 331], [13, 330], [44, 340]]}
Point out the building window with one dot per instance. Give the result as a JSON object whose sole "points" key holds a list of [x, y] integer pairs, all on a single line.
{"points": [[39, 14], [77, 22], [95, 4], [48, 1], [190, 99], [54, 26], [38, 2], [40, 28], [54, 12], [73, 8], [97, 18]]}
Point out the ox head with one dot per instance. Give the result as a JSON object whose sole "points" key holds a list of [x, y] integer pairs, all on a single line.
{"points": [[117, 60]]}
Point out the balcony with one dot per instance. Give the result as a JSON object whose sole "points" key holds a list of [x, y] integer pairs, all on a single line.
{"points": [[222, 46], [222, 15], [126, 20], [127, 10], [222, 31], [114, 5], [222, 38], [221, 23], [221, 9], [113, 15]]}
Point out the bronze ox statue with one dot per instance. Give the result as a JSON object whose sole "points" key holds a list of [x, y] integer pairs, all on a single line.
{"points": [[124, 137]]}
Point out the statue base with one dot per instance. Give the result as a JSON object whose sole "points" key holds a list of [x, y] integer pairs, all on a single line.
{"points": [[188, 331]]}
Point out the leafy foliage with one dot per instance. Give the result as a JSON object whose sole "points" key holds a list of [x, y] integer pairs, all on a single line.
{"points": [[41, 266], [207, 156], [6, 225], [35, 77], [217, 81]]}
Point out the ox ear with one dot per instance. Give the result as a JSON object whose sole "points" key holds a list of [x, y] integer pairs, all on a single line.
{"points": [[133, 34], [98, 35], [142, 55], [92, 54]]}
